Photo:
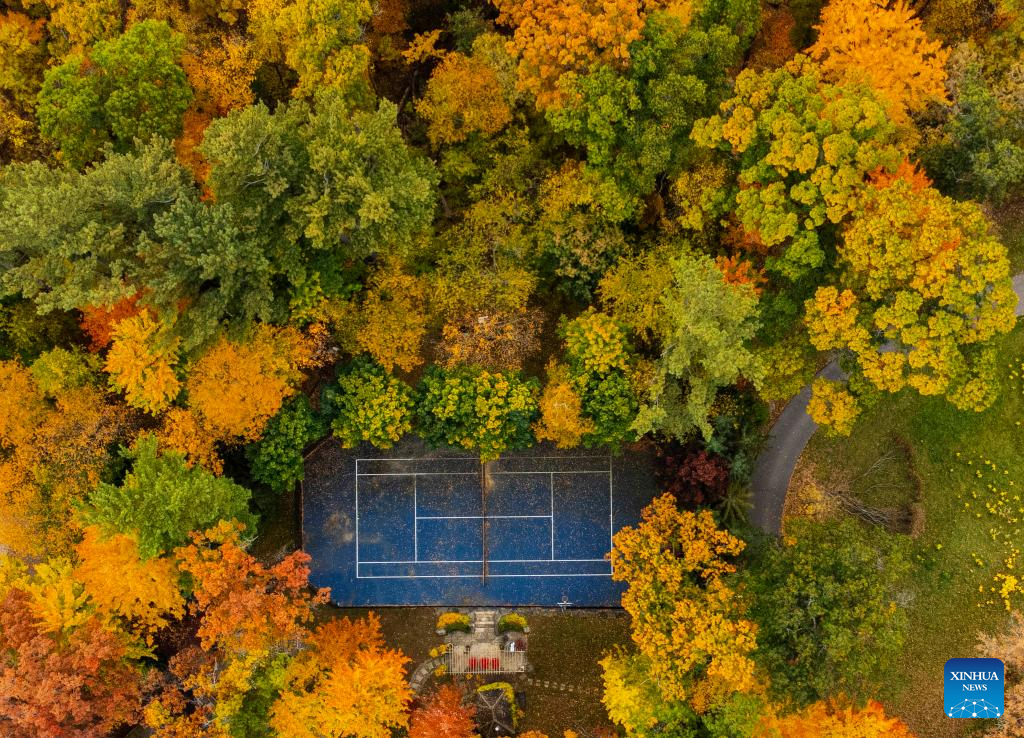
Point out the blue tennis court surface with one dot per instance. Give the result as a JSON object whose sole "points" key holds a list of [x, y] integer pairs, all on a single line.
{"points": [[421, 527]]}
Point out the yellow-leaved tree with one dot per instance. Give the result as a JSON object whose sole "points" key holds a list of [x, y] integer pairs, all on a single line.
{"points": [[561, 411], [554, 37], [923, 288], [141, 362], [140, 594], [687, 622], [882, 44], [237, 386], [51, 455], [346, 684], [393, 319]]}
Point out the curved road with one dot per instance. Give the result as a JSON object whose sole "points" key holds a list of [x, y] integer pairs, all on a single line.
{"points": [[786, 441]]}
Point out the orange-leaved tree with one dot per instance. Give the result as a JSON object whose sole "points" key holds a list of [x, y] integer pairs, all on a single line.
{"points": [[249, 616], [53, 685], [444, 714], [237, 386], [882, 44], [556, 37], [829, 720], [347, 683]]}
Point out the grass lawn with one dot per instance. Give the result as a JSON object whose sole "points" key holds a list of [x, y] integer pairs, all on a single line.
{"points": [[566, 649], [963, 546]]}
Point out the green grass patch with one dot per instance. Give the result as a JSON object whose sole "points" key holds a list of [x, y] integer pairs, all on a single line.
{"points": [[966, 462]]}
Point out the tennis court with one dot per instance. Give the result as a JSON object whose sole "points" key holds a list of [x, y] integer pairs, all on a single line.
{"points": [[416, 526]]}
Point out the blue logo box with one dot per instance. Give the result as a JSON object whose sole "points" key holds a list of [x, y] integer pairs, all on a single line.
{"points": [[973, 688]]}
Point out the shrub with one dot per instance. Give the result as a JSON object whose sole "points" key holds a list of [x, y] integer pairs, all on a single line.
{"points": [[453, 622], [476, 409], [276, 460], [694, 476], [598, 356], [611, 404], [595, 343], [511, 622], [372, 406]]}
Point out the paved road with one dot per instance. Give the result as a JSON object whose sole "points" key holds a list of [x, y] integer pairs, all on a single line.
{"points": [[786, 441]]}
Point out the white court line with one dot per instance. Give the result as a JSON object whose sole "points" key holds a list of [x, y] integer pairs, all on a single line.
{"points": [[575, 471], [417, 518], [417, 474], [479, 517], [415, 528], [493, 561], [611, 513], [551, 489], [477, 576]]}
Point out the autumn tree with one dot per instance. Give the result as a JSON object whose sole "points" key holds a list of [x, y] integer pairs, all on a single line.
{"points": [[143, 596], [393, 319], [181, 431], [141, 362], [128, 88], [77, 25], [599, 362], [886, 47], [391, 194], [237, 386], [465, 96], [828, 619], [54, 687], [687, 622], [923, 289], [54, 452], [483, 263], [60, 369], [162, 500], [634, 701], [346, 683], [444, 714], [803, 148], [322, 40], [561, 410], [22, 61], [830, 720], [706, 330], [476, 409], [370, 405], [554, 38], [577, 229], [253, 620]]}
